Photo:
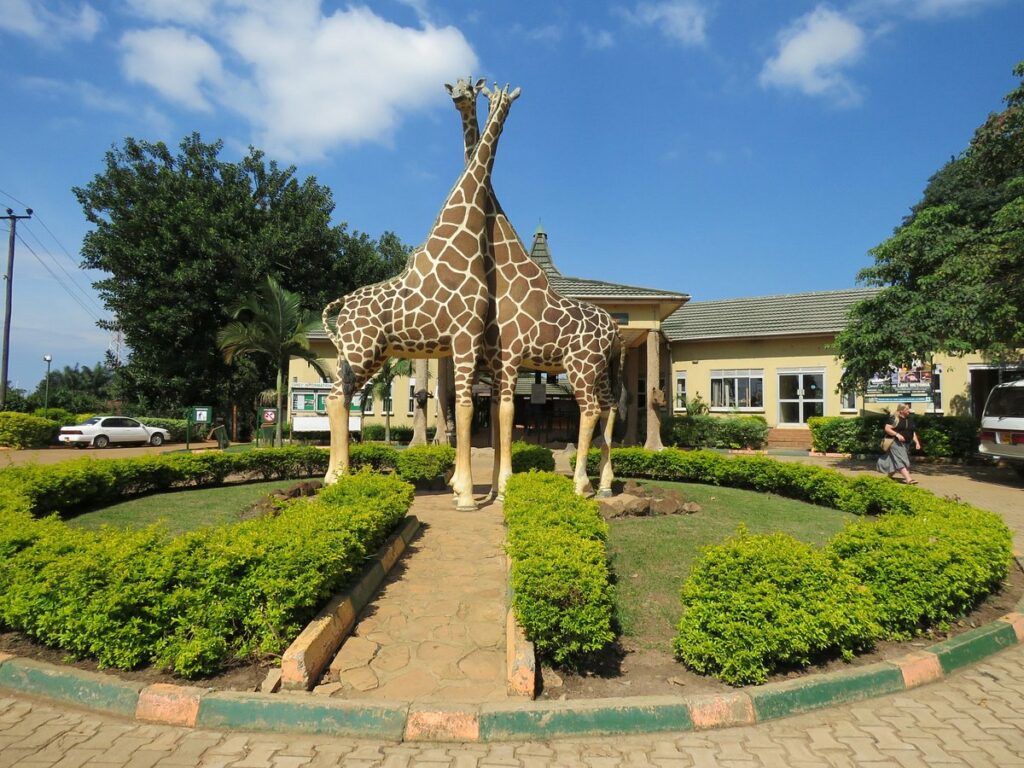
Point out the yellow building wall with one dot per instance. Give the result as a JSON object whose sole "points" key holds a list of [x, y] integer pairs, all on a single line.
{"points": [[302, 375], [775, 354]]}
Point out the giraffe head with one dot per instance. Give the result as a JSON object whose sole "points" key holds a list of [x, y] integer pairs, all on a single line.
{"points": [[465, 91], [500, 96]]}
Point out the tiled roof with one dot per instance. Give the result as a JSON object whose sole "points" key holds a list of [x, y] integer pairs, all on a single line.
{"points": [[787, 315], [578, 288]]}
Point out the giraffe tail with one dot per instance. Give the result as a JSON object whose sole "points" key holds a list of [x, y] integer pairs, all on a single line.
{"points": [[618, 378], [328, 311]]}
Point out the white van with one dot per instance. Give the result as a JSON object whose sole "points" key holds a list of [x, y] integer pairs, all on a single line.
{"points": [[1002, 424]]}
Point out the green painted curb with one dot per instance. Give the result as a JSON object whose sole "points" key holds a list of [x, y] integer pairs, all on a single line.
{"points": [[303, 713], [73, 686], [974, 645], [583, 718], [796, 696]]}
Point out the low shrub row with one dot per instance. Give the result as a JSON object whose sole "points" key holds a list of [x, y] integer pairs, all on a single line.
{"points": [[85, 483], [526, 456], [193, 603], [20, 430], [941, 436], [715, 431], [562, 593], [747, 613]]}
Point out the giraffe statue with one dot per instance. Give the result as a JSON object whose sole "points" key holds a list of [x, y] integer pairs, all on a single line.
{"points": [[437, 307], [533, 326]]}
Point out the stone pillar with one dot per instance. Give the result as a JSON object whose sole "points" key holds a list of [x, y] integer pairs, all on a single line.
{"points": [[655, 396], [632, 383], [419, 412], [445, 399]]}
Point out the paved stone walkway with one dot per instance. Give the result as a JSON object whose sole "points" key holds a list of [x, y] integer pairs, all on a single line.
{"points": [[436, 630], [973, 718]]}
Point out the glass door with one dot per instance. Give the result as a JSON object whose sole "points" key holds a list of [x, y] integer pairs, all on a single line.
{"points": [[801, 395]]}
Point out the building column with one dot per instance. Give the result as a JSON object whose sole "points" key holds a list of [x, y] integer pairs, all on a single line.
{"points": [[632, 382], [655, 396], [419, 412]]}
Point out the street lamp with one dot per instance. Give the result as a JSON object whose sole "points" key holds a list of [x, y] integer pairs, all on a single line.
{"points": [[46, 396]]}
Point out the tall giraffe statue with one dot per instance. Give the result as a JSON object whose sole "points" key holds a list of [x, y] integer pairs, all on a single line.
{"points": [[437, 307], [533, 326]]}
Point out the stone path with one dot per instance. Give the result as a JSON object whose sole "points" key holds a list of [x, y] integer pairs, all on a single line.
{"points": [[973, 718], [436, 630]]}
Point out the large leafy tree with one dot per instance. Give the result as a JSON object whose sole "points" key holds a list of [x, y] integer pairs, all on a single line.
{"points": [[183, 236], [272, 323], [952, 274], [78, 388]]}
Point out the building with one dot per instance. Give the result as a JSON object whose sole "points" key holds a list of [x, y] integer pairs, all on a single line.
{"points": [[764, 355]]}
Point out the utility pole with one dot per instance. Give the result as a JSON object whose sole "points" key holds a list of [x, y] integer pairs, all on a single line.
{"points": [[8, 280]]}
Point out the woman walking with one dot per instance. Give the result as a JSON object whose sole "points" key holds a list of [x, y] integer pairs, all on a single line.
{"points": [[900, 431]]}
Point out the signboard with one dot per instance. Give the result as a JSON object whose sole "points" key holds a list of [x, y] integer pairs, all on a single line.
{"points": [[268, 417], [201, 414], [538, 393], [907, 384]]}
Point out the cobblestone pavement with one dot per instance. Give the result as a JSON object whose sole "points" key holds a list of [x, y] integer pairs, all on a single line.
{"points": [[973, 718]]}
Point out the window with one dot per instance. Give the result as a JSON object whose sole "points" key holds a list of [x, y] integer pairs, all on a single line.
{"points": [[368, 403], [680, 401], [737, 388], [389, 401], [412, 396], [641, 393], [321, 402], [848, 401]]}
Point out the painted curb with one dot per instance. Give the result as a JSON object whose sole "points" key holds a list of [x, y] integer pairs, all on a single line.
{"points": [[522, 678], [513, 720], [311, 652]]}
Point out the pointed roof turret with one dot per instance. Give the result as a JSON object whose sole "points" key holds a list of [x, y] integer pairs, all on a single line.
{"points": [[539, 252]]}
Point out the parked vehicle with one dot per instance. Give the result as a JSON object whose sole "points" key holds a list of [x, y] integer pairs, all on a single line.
{"points": [[101, 431], [1002, 424]]}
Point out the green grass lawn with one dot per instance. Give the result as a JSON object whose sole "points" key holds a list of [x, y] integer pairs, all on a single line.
{"points": [[181, 511], [651, 556]]}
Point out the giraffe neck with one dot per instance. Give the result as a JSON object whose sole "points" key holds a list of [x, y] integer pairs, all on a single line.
{"points": [[470, 129]]}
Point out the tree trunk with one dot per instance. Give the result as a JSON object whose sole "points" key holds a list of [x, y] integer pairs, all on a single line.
{"points": [[419, 414], [280, 396]]}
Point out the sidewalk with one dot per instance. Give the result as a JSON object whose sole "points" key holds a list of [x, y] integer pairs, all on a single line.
{"points": [[436, 630]]}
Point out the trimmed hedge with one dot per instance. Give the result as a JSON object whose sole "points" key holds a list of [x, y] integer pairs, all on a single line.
{"points": [[425, 462], [19, 430], [756, 604], [715, 431], [925, 562], [61, 416], [193, 603], [526, 457], [562, 593], [941, 436]]}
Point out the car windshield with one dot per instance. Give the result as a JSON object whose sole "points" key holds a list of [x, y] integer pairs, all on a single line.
{"points": [[1006, 402]]}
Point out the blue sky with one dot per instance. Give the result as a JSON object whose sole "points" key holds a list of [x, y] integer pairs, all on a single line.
{"points": [[719, 148]]}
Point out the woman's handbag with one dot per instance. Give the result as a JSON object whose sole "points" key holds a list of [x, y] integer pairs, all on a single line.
{"points": [[886, 443]]}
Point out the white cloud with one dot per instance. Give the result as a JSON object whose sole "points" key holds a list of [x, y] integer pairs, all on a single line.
{"points": [[684, 21], [812, 54], [597, 39], [547, 33], [923, 9], [35, 20], [189, 12], [180, 65]]}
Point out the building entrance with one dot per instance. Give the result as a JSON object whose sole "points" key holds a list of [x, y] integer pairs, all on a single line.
{"points": [[801, 395]]}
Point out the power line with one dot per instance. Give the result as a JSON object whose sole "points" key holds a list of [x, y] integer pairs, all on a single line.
{"points": [[60, 282], [60, 266]]}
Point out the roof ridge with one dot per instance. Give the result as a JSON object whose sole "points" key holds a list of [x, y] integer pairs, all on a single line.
{"points": [[787, 295]]}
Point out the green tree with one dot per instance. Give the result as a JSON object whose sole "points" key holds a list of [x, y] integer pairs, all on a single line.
{"points": [[272, 322], [77, 388], [381, 387], [952, 274], [182, 235]]}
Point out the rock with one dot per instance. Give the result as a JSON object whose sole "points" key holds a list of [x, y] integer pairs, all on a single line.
{"points": [[551, 679], [665, 506], [690, 507], [272, 683], [623, 505], [633, 488], [677, 681]]}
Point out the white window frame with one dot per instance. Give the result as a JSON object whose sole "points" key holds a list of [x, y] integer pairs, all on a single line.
{"points": [[412, 396], [676, 405], [844, 406], [734, 375], [937, 371]]}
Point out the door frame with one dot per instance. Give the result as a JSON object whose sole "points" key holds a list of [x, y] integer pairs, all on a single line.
{"points": [[814, 370]]}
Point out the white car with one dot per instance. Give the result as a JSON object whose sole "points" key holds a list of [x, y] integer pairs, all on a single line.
{"points": [[101, 431], [1002, 424]]}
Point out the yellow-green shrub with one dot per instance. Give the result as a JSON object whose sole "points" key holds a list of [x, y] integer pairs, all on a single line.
{"points": [[20, 430]]}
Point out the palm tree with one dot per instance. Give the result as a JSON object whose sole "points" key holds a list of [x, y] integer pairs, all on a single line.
{"points": [[380, 387], [272, 322]]}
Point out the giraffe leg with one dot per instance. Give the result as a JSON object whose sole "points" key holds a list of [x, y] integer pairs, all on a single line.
{"points": [[496, 441], [588, 421], [337, 415], [604, 489], [506, 419], [463, 458]]}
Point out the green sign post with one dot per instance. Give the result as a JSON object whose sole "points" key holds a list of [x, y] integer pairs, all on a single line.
{"points": [[197, 414]]}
